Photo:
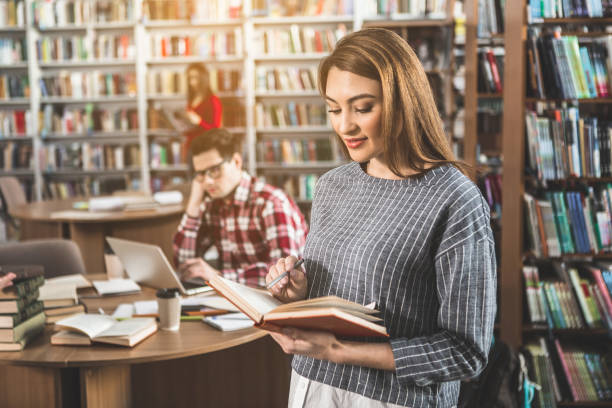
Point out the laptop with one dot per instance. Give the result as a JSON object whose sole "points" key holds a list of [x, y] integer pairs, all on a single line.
{"points": [[147, 264]]}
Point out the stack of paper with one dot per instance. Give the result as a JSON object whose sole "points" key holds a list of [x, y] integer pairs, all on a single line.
{"points": [[229, 322]]}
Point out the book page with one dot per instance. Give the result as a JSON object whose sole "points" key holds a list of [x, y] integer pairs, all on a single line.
{"points": [[116, 286], [329, 301], [79, 280], [128, 327], [260, 300], [53, 291], [90, 324], [213, 301]]}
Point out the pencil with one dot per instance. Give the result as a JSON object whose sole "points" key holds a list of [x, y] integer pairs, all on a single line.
{"points": [[282, 275]]}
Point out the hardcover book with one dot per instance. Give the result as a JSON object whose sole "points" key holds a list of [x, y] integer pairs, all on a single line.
{"points": [[330, 313]]}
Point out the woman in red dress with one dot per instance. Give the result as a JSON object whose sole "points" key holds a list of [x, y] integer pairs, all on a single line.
{"points": [[204, 108]]}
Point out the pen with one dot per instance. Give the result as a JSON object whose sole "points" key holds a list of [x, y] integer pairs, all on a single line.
{"points": [[282, 275], [191, 318]]}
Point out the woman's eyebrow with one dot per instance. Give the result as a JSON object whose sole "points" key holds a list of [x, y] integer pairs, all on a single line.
{"points": [[353, 98]]}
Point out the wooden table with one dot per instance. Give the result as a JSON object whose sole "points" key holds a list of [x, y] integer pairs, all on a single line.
{"points": [[196, 366], [41, 220]]}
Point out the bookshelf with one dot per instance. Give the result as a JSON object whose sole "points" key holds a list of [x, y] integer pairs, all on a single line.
{"points": [[125, 38], [518, 178]]}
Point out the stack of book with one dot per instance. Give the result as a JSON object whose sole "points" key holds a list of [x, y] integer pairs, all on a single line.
{"points": [[15, 123], [12, 13], [576, 296], [21, 313], [297, 40], [570, 222], [204, 44], [64, 120], [12, 50], [60, 300], [490, 70], [14, 86]]}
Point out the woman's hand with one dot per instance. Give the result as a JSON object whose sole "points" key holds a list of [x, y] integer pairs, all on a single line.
{"points": [[317, 344], [7, 280], [292, 287], [193, 117]]}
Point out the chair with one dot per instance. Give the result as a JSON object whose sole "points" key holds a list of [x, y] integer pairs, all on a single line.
{"points": [[57, 256], [11, 196]]}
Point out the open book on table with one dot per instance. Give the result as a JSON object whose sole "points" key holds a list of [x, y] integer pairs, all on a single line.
{"points": [[330, 313], [83, 329]]}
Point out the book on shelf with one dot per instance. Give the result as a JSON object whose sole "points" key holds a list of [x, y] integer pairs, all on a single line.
{"points": [[269, 79], [290, 114], [404, 8], [75, 84], [14, 156], [491, 17], [291, 151], [15, 338], [309, 8], [340, 316], [14, 86], [88, 156], [567, 67], [82, 48], [297, 40], [114, 11], [15, 123], [49, 14], [217, 44], [165, 154], [490, 70], [87, 186], [538, 9], [13, 50], [63, 120], [200, 11], [299, 187], [85, 329], [12, 13]]}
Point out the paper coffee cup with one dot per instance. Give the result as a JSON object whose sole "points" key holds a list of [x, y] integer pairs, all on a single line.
{"points": [[169, 309]]}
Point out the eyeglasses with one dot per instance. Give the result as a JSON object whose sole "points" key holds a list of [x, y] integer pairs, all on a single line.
{"points": [[214, 172]]}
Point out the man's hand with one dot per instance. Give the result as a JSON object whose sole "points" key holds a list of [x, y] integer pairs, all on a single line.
{"points": [[317, 344], [196, 268], [193, 117], [196, 196], [7, 280], [292, 287]]}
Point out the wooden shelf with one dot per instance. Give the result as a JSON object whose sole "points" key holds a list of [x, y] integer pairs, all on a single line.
{"points": [[292, 57], [119, 137], [17, 173], [14, 101], [573, 180], [310, 20], [114, 25], [22, 138], [89, 99], [78, 64], [582, 20], [541, 329], [594, 256], [68, 27], [5, 29], [179, 168], [490, 96], [582, 100], [193, 23], [193, 58], [93, 172], [298, 167], [14, 65]]}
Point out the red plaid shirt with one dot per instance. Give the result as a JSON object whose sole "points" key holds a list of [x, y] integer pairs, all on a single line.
{"points": [[258, 226]]}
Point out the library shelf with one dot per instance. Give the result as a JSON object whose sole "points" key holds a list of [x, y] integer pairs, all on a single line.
{"points": [[592, 34], [306, 166], [490, 95], [543, 329], [578, 100], [6, 29], [89, 99], [118, 137], [18, 173], [193, 58], [288, 94], [572, 180], [14, 101], [591, 256], [309, 20], [69, 27], [90, 172], [88, 63], [584, 404], [279, 131], [183, 98], [193, 23], [405, 20], [16, 138], [169, 133], [115, 25], [170, 168], [14, 65], [311, 56], [587, 20]]}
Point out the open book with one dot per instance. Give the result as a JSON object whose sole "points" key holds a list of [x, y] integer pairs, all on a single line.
{"points": [[83, 329], [330, 313]]}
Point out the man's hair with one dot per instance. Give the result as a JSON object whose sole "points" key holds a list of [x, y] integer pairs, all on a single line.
{"points": [[220, 139]]}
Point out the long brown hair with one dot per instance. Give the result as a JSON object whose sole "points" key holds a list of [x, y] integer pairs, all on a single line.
{"points": [[204, 82], [412, 130]]}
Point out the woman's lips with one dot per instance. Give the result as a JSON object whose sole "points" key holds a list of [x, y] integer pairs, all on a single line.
{"points": [[355, 143]]}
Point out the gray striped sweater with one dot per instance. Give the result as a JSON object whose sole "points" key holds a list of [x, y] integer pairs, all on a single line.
{"points": [[422, 249]]}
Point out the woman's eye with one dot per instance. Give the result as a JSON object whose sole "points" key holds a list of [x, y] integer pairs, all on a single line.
{"points": [[334, 111], [364, 110]]}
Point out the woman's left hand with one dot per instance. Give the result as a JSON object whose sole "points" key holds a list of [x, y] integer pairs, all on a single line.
{"points": [[194, 117], [317, 344]]}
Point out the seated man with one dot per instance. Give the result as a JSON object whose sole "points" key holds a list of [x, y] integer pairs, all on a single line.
{"points": [[252, 224]]}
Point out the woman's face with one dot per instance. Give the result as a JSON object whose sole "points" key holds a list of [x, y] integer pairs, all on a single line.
{"points": [[355, 110], [194, 79]]}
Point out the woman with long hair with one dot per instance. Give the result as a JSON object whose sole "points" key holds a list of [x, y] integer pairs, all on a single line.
{"points": [[402, 226], [204, 109]]}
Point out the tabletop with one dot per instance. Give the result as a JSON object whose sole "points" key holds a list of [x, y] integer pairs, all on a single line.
{"points": [[63, 211], [193, 338]]}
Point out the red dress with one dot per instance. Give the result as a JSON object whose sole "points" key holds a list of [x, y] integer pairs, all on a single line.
{"points": [[210, 110]]}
